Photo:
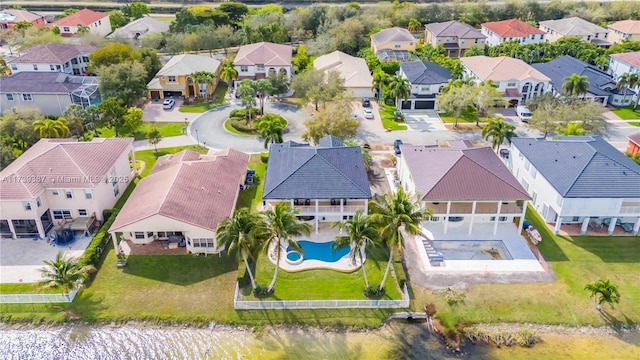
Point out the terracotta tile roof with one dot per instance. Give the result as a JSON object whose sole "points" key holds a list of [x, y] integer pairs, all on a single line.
{"points": [[19, 15], [460, 173], [51, 159], [52, 53], [631, 58], [635, 138], [200, 190], [626, 26], [512, 28], [84, 17], [266, 53], [501, 68]]}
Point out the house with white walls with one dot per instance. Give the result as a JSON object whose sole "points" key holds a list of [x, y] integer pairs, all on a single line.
{"points": [[516, 30], [94, 22], [426, 80], [620, 64]]}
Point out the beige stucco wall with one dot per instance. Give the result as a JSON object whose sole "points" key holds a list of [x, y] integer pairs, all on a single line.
{"points": [[403, 45]]}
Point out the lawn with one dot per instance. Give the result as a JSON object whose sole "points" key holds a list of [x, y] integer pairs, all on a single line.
{"points": [[200, 106], [627, 113], [576, 261], [149, 157], [467, 116], [166, 129], [252, 197], [387, 116]]}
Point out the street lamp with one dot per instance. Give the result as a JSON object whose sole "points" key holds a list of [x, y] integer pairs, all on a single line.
{"points": [[197, 137], [204, 143]]}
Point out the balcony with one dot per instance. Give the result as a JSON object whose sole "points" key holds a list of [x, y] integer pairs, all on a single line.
{"points": [[324, 209], [631, 210], [465, 208]]}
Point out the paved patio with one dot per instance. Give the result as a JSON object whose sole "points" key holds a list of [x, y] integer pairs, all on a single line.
{"points": [[153, 248]]}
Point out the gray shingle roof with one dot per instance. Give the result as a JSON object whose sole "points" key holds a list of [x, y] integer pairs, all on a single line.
{"points": [[300, 171], [582, 166], [425, 73]]}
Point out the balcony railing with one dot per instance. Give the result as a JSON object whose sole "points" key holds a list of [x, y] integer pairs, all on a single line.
{"points": [[311, 209], [481, 208], [630, 210]]}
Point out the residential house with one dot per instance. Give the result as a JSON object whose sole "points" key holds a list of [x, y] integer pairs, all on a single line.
{"points": [[498, 32], [63, 182], [326, 183], [602, 86], [353, 70], [625, 29], [257, 61], [396, 41], [619, 64], [51, 93], [94, 22], [518, 80], [426, 80], [634, 144], [185, 196], [139, 28], [576, 179], [174, 79], [455, 37], [9, 17], [462, 184], [577, 27], [53, 57]]}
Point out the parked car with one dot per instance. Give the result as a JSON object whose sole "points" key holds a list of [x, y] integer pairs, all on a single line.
{"points": [[168, 104], [504, 153], [366, 102], [396, 146], [368, 114], [523, 113], [366, 146]]}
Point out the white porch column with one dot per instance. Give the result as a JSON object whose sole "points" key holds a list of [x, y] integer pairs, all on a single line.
{"points": [[133, 162], [12, 229], [558, 225], [473, 215], [40, 229], [341, 213], [116, 247], [497, 219], [446, 218], [366, 206], [524, 213], [636, 227], [612, 225], [291, 204], [317, 212], [585, 224]]}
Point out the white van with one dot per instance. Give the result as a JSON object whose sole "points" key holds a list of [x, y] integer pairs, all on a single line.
{"points": [[523, 113]]}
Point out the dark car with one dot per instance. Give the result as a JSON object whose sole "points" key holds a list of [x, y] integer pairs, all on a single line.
{"points": [[366, 102], [396, 146], [504, 153], [366, 146]]}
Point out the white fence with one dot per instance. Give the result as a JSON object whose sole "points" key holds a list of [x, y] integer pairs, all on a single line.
{"points": [[37, 298], [240, 304]]}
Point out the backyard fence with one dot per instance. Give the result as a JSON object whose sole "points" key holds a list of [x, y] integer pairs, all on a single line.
{"points": [[240, 304], [38, 298]]}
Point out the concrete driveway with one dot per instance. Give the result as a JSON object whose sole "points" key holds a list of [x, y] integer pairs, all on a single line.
{"points": [[153, 112], [368, 125], [423, 120]]}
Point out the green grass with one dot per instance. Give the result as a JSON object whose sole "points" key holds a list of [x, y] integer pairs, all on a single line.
{"points": [[149, 157], [200, 107], [252, 197], [387, 116], [576, 261], [166, 129], [467, 116], [627, 113], [26, 288], [634, 123]]}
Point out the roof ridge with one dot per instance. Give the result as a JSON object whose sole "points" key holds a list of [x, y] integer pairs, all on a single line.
{"points": [[291, 173], [72, 159], [170, 187], [573, 182], [340, 172], [445, 173], [492, 172]]}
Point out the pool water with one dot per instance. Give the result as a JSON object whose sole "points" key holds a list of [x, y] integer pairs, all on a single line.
{"points": [[317, 251], [472, 249]]}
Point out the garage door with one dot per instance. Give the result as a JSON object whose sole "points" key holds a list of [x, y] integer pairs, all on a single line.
{"points": [[406, 105], [425, 105]]}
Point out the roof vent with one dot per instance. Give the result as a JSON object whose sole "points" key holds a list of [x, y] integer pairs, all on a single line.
{"points": [[219, 192]]}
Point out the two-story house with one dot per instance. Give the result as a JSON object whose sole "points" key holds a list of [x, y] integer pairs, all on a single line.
{"points": [[576, 27], [53, 57], [576, 179], [518, 80], [633, 147], [602, 86], [455, 37], [498, 32], [259, 60], [426, 80], [67, 181], [49, 92], [353, 70], [393, 44], [174, 79], [9, 17], [94, 22], [326, 183], [620, 64], [623, 30]]}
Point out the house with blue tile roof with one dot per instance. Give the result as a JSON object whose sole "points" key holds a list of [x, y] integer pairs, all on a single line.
{"points": [[326, 183], [578, 180]]}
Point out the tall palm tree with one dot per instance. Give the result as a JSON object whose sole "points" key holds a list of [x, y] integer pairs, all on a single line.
{"points": [[361, 235], [635, 83], [576, 85], [271, 128], [48, 128], [240, 234], [603, 291], [281, 226], [203, 78], [228, 72], [499, 131], [623, 83], [64, 272], [380, 79], [571, 129], [263, 87], [414, 25], [396, 212], [399, 88]]}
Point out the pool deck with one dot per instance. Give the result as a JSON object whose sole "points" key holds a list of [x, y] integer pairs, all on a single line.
{"points": [[325, 234]]}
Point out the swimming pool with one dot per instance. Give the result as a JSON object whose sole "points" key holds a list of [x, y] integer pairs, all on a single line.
{"points": [[472, 249], [316, 251]]}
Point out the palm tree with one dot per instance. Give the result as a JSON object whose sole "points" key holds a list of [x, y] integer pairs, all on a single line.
{"points": [[603, 291], [240, 234], [571, 129], [5, 70], [499, 131], [281, 226], [414, 25], [361, 234], [623, 83], [203, 78], [380, 79], [399, 88], [48, 128], [263, 87], [575, 85], [397, 211], [64, 272], [635, 82], [228, 73], [271, 128]]}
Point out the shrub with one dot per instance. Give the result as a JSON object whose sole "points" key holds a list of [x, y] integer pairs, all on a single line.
{"points": [[430, 309], [374, 292], [106, 213], [476, 335], [501, 338], [241, 125], [390, 102], [264, 157], [262, 291], [527, 338], [451, 296], [93, 252]]}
